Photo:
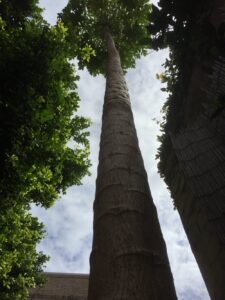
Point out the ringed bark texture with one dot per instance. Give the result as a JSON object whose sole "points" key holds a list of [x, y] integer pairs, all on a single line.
{"points": [[129, 258]]}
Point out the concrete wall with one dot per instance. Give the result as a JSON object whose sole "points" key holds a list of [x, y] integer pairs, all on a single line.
{"points": [[62, 286]]}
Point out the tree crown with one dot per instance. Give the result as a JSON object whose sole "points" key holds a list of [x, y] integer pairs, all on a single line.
{"points": [[127, 21], [38, 101], [16, 13], [37, 105]]}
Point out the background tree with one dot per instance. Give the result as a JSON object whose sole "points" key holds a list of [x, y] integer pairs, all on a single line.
{"points": [[129, 259], [191, 154], [37, 103]]}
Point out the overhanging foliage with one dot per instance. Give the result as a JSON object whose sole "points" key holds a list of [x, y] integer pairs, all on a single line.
{"points": [[126, 20], [38, 100]]}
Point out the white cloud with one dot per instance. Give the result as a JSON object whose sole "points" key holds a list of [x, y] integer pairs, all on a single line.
{"points": [[52, 7], [69, 222]]}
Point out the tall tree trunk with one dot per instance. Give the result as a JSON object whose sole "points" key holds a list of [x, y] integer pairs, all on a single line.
{"points": [[194, 167], [129, 258]]}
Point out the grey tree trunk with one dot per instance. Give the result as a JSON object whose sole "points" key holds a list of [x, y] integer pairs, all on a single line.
{"points": [[129, 258]]}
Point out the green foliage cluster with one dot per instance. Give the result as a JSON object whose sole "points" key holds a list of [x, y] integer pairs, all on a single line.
{"points": [[126, 20], [184, 27], [20, 263], [15, 12], [37, 103]]}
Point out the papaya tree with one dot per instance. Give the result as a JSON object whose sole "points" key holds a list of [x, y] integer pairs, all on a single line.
{"points": [[38, 100], [129, 258]]}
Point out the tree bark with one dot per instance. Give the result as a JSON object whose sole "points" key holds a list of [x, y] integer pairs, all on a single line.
{"points": [[129, 258], [194, 167]]}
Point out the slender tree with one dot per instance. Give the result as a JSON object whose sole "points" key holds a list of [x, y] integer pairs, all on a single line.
{"points": [[128, 259]]}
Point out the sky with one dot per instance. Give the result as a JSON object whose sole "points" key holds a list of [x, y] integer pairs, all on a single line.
{"points": [[69, 222]]}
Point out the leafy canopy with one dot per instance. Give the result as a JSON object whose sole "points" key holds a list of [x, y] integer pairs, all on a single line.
{"points": [[20, 263], [15, 12], [38, 101], [126, 19]]}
